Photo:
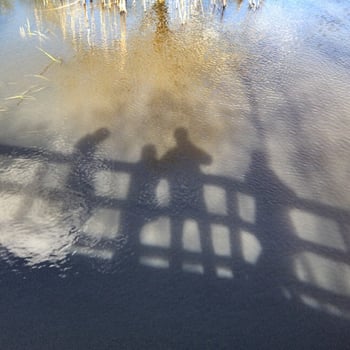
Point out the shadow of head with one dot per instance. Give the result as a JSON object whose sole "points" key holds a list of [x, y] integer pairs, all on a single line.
{"points": [[186, 149], [100, 134], [259, 160], [87, 145], [181, 136]]}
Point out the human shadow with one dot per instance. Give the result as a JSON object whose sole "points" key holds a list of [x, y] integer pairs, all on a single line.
{"points": [[141, 201], [80, 181], [83, 166], [273, 226], [144, 180], [180, 166]]}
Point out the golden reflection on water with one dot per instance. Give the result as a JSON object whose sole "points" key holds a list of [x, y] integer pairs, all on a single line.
{"points": [[148, 83]]}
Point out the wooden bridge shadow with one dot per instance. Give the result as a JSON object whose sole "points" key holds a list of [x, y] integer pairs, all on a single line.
{"points": [[199, 261]]}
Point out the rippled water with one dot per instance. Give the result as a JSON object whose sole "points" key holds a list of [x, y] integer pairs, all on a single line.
{"points": [[175, 176]]}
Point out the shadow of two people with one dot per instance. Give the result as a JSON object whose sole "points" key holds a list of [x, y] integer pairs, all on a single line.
{"points": [[180, 167]]}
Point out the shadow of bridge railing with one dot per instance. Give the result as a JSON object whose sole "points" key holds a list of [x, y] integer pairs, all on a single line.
{"points": [[254, 232]]}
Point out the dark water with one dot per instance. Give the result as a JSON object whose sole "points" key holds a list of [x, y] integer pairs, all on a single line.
{"points": [[175, 177]]}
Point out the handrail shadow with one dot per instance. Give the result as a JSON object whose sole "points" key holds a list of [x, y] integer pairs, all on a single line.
{"points": [[261, 251]]}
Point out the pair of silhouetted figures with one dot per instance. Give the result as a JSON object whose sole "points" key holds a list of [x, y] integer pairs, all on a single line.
{"points": [[180, 167]]}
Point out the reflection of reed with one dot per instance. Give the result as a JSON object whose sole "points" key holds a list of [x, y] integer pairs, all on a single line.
{"points": [[162, 27], [95, 24], [123, 48], [83, 24]]}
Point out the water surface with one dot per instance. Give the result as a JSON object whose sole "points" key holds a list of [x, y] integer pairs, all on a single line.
{"points": [[176, 176]]}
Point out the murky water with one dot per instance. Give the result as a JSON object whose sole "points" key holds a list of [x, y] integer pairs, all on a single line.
{"points": [[176, 176]]}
